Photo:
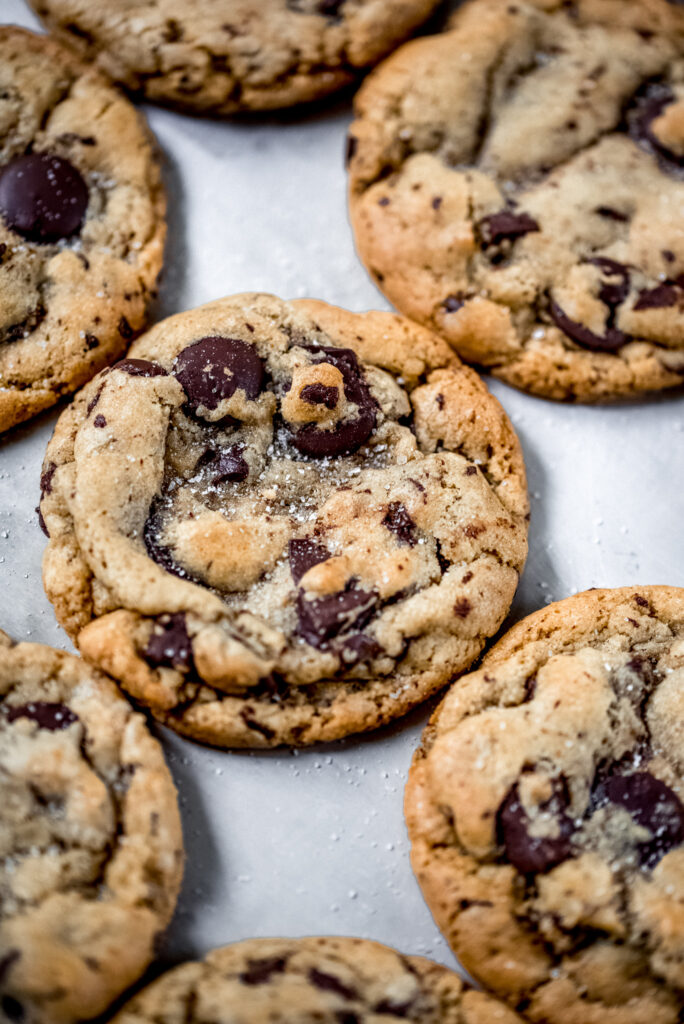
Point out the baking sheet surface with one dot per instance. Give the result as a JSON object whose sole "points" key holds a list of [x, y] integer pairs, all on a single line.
{"points": [[314, 842]]}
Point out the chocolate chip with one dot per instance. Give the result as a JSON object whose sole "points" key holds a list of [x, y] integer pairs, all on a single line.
{"points": [[48, 715], [304, 554], [46, 478], [322, 618], [352, 146], [92, 341], [462, 607], [125, 329], [7, 961], [260, 971], [641, 601], [661, 297], [42, 523], [453, 303], [13, 1009], [251, 723], [396, 1009], [213, 369], [653, 806], [99, 421], [613, 339], [170, 643], [505, 226], [42, 197], [398, 521], [330, 8], [444, 563], [329, 983], [320, 394], [226, 466], [610, 214], [348, 435], [612, 294], [471, 471], [359, 648], [649, 105], [140, 368], [384, 201], [532, 854]]}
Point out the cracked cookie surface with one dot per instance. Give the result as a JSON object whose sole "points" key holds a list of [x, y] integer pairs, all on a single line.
{"points": [[282, 522], [91, 849], [312, 981], [545, 808], [225, 56], [82, 223], [517, 184]]}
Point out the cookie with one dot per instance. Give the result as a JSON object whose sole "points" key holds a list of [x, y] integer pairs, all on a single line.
{"points": [[312, 981], [281, 522], [517, 184], [225, 56], [546, 811], [82, 223], [92, 851]]}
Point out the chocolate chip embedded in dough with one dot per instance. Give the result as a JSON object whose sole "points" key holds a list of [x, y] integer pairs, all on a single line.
{"points": [[613, 339], [654, 806], [505, 226], [260, 971], [304, 553], [140, 368], [42, 197], [398, 521], [322, 618], [348, 435], [319, 394], [528, 853], [169, 643], [213, 369], [48, 715], [225, 466]]}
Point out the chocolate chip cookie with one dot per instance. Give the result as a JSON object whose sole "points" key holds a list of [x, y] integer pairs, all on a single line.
{"points": [[312, 981], [91, 842], [82, 223], [517, 184], [546, 811], [281, 522], [224, 56]]}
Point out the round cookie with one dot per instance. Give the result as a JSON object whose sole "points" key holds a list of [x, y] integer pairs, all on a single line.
{"points": [[92, 851], [546, 811], [281, 522], [312, 981], [82, 223], [225, 56], [517, 185]]}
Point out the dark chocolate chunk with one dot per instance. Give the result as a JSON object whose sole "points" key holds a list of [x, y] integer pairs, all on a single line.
{"points": [[13, 1009], [170, 643], [329, 983], [260, 971], [320, 394], [611, 214], [527, 853], [225, 466], [48, 715], [661, 297], [615, 293], [125, 329], [462, 607], [649, 105], [330, 8], [92, 341], [505, 226], [213, 369], [352, 146], [613, 339], [99, 421], [304, 554], [42, 197], [654, 806], [140, 368], [396, 1009], [7, 961], [399, 522], [443, 562], [322, 618], [251, 723], [453, 303], [348, 436], [46, 478], [356, 649]]}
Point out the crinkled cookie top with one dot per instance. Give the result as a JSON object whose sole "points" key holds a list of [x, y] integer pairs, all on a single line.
{"points": [[517, 183], [546, 811], [90, 842], [267, 495], [223, 56], [81, 223], [312, 981]]}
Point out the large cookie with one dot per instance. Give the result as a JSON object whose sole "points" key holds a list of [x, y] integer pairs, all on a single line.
{"points": [[546, 811], [518, 185], [312, 981], [81, 223], [224, 56], [91, 850], [282, 522]]}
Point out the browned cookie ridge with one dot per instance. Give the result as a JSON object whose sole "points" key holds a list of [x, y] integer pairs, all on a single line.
{"points": [[517, 184], [312, 981], [282, 522], [81, 223], [90, 836], [226, 56], [546, 811]]}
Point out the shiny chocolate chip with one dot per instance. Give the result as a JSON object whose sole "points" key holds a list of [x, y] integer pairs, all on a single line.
{"points": [[213, 369], [322, 618], [47, 714], [615, 290], [648, 106], [42, 197], [505, 226], [398, 521], [304, 553], [354, 650], [611, 341], [320, 394], [140, 368], [663, 296], [170, 643], [532, 854], [654, 806], [225, 466], [348, 436], [329, 983], [262, 970]]}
